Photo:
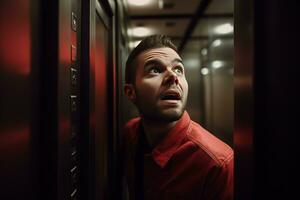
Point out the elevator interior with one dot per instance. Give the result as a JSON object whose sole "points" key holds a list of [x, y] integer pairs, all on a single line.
{"points": [[62, 106]]}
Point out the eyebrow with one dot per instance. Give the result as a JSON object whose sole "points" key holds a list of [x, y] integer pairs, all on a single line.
{"points": [[157, 61], [178, 60], [152, 62]]}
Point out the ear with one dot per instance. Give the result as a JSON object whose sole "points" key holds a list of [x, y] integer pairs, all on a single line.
{"points": [[129, 91]]}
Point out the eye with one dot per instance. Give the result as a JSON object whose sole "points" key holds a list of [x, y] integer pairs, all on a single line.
{"points": [[154, 70], [179, 70]]}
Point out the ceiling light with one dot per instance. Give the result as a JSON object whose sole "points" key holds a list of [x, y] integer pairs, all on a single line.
{"points": [[160, 4], [134, 44], [224, 28], [216, 64], [192, 63], [140, 31], [204, 71], [204, 51], [139, 2], [216, 43]]}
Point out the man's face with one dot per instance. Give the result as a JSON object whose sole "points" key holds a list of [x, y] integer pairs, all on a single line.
{"points": [[160, 86]]}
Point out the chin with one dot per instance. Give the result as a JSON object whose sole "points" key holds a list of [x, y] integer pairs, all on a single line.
{"points": [[171, 115], [166, 115]]}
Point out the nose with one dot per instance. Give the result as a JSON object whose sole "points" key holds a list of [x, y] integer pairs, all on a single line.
{"points": [[171, 78]]}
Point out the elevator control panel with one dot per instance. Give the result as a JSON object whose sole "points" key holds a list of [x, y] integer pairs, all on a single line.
{"points": [[74, 169]]}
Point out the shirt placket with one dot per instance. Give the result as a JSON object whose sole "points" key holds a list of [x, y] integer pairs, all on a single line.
{"points": [[150, 178]]}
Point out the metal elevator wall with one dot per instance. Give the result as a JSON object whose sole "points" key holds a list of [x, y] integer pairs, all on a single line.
{"points": [[17, 109]]}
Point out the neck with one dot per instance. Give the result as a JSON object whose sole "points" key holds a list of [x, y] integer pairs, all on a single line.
{"points": [[155, 131]]}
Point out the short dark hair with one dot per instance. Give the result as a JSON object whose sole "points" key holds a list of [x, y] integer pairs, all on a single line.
{"points": [[150, 42]]}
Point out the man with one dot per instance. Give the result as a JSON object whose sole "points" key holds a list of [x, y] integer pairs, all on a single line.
{"points": [[166, 154]]}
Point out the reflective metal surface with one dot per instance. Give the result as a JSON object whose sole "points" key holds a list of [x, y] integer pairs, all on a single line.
{"points": [[16, 114]]}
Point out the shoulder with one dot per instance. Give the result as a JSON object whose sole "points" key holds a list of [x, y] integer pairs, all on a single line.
{"points": [[131, 127], [218, 151], [132, 123]]}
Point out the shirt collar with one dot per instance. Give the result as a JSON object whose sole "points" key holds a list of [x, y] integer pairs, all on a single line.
{"points": [[168, 146]]}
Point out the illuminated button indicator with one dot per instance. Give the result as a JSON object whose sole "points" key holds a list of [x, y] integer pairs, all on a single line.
{"points": [[74, 77], [73, 103], [74, 156], [74, 22], [73, 193], [73, 53], [73, 169]]}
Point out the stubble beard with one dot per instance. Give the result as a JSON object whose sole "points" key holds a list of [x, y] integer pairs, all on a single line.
{"points": [[155, 113]]}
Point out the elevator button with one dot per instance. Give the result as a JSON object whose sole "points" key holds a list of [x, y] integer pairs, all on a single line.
{"points": [[74, 194], [74, 157], [73, 53], [74, 103], [73, 169], [74, 178], [74, 77], [74, 22]]}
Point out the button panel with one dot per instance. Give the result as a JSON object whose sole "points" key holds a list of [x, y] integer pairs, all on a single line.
{"points": [[74, 169]]}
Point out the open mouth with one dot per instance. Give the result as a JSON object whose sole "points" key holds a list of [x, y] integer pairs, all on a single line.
{"points": [[171, 96]]}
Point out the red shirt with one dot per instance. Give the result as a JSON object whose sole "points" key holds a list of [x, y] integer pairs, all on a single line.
{"points": [[189, 163]]}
